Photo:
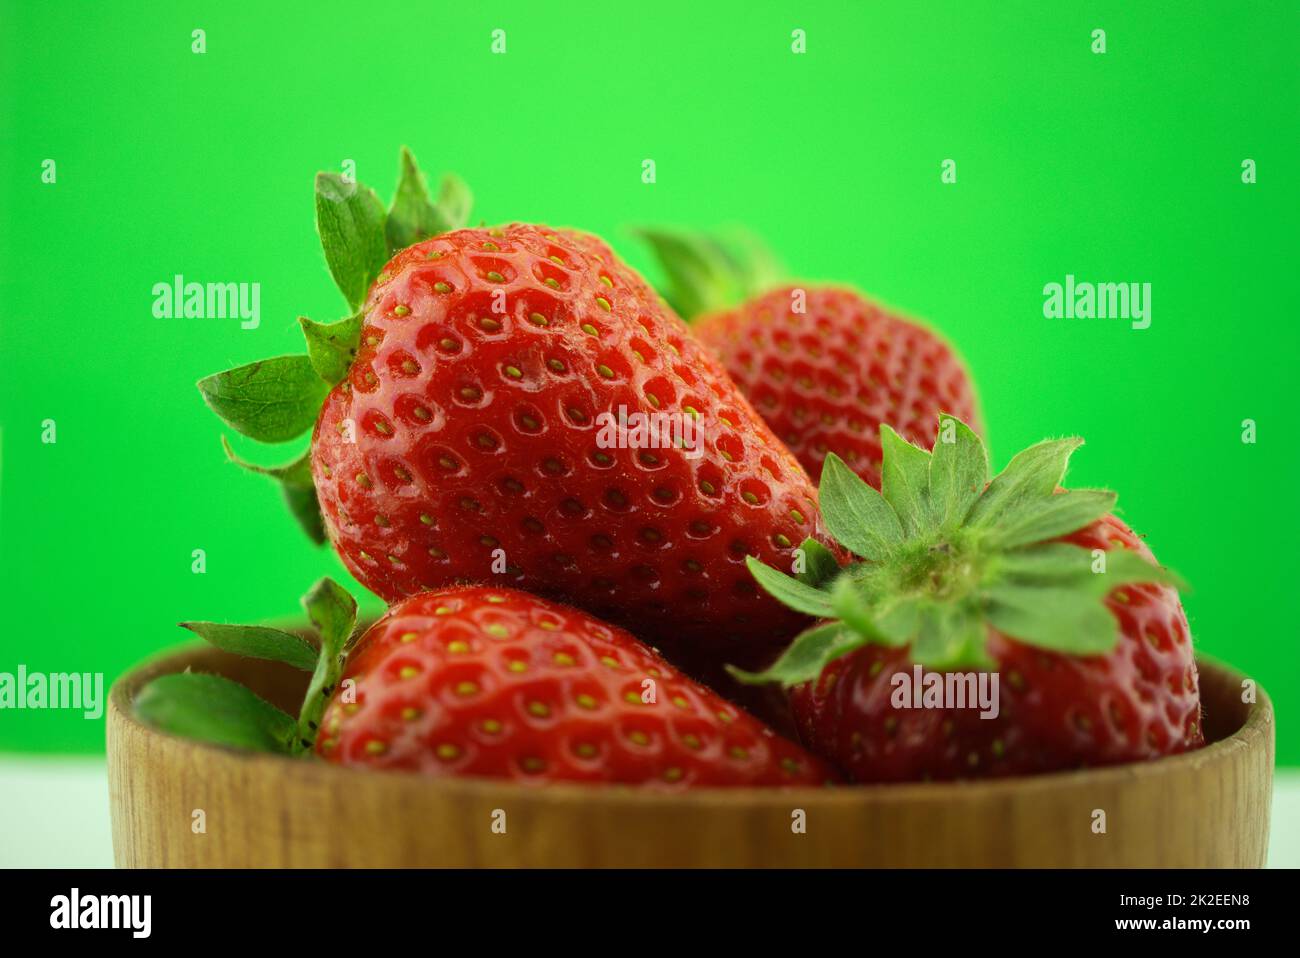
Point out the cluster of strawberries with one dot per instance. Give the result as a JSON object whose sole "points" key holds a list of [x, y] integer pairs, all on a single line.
{"points": [[564, 607]]}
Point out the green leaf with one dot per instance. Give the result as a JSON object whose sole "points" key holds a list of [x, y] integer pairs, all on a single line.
{"points": [[898, 620], [1053, 595], [454, 201], [214, 709], [297, 472], [948, 557], [1069, 565], [951, 637], [350, 220], [959, 471], [789, 591], [855, 514], [905, 481], [878, 615], [272, 400], [334, 612], [331, 347], [1032, 474], [1037, 520], [296, 485], [257, 642], [304, 505], [1129, 568], [1051, 617], [851, 607], [702, 275], [413, 216], [755, 262], [808, 654], [820, 564]]}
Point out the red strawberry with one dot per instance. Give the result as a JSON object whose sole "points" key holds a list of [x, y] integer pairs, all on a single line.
{"points": [[1057, 711], [466, 439], [477, 440], [478, 681], [828, 378], [1041, 588], [823, 366], [496, 683]]}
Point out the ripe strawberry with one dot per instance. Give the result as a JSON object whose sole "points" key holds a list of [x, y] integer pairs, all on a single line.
{"points": [[823, 366], [477, 439], [477, 681], [829, 378], [1040, 587], [492, 682], [467, 436]]}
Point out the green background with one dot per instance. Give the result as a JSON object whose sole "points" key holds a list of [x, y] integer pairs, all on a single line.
{"points": [[1117, 167]]}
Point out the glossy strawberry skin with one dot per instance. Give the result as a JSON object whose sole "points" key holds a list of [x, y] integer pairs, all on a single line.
{"points": [[476, 455], [486, 682], [826, 378], [1057, 711]]}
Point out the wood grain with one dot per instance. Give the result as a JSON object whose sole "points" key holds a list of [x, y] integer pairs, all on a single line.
{"points": [[1209, 808]]}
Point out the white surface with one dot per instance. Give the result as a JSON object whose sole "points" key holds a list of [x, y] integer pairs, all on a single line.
{"points": [[54, 814]]}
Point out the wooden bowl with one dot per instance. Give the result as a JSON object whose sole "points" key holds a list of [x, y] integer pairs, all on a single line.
{"points": [[1207, 808]]}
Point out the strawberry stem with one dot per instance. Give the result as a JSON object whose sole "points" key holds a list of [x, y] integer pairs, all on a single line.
{"points": [[215, 709], [949, 554], [334, 613], [706, 272]]}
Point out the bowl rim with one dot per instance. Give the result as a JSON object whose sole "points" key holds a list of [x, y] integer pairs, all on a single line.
{"points": [[1258, 725]]}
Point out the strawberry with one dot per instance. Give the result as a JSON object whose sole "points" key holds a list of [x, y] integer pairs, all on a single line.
{"points": [[466, 430], [501, 684], [828, 378], [477, 439], [824, 366], [1014, 580], [483, 682]]}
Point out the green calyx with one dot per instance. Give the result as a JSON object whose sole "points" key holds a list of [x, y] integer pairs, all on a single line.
{"points": [[215, 709], [705, 272], [944, 553], [277, 400]]}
